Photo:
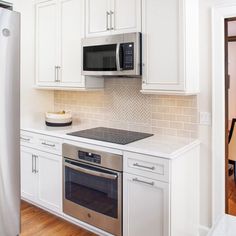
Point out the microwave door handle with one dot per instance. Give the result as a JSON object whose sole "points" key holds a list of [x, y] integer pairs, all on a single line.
{"points": [[91, 172], [118, 57]]}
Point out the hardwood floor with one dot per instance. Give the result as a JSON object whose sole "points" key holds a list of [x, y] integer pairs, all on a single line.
{"points": [[232, 196], [37, 222]]}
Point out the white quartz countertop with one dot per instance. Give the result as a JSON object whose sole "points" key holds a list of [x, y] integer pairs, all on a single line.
{"points": [[161, 146], [225, 227]]}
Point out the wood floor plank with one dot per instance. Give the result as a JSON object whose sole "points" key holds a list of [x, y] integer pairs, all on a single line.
{"points": [[37, 222], [232, 196]]}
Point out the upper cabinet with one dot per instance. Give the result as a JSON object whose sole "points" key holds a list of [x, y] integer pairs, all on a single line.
{"points": [[105, 17], [169, 41], [46, 42], [170, 46], [59, 30]]}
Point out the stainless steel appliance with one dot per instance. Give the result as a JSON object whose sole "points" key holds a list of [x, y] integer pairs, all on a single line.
{"points": [[117, 136], [115, 55], [92, 187], [9, 121]]}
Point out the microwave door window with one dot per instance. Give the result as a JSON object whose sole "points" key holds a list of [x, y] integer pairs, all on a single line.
{"points": [[100, 58]]}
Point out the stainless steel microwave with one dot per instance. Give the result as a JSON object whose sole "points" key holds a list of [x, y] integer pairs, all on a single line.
{"points": [[114, 55]]}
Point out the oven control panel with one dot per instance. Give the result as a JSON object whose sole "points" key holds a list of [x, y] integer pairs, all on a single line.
{"points": [[90, 157]]}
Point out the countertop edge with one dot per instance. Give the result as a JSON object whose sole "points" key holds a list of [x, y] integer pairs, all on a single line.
{"points": [[125, 148]]}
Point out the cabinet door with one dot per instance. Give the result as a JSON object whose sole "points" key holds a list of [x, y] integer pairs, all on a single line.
{"points": [[162, 45], [72, 31], [146, 206], [49, 172], [97, 17], [46, 42], [126, 16], [28, 177]]}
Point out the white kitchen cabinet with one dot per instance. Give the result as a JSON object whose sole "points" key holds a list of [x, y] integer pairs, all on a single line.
{"points": [[170, 46], [161, 196], [59, 30], [107, 17], [46, 42], [97, 17], [28, 177], [49, 170], [127, 16], [41, 178], [146, 206]]}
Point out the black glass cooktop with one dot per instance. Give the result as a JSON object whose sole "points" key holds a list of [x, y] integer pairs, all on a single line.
{"points": [[111, 135]]}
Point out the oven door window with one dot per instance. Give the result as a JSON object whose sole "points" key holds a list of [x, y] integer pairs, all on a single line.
{"points": [[99, 58], [92, 188]]}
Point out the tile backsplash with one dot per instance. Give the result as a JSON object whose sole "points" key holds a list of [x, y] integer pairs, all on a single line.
{"points": [[122, 105]]}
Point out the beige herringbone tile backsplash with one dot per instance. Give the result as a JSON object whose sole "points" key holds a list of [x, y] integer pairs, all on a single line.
{"points": [[121, 105]]}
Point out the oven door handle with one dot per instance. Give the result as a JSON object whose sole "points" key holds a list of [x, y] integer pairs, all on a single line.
{"points": [[91, 172]]}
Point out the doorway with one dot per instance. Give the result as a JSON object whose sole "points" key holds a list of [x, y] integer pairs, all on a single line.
{"points": [[230, 116], [219, 140]]}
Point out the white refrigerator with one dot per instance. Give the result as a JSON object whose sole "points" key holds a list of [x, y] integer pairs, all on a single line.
{"points": [[9, 122]]}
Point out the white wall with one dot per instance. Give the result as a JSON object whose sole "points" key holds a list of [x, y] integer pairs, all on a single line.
{"points": [[33, 102], [232, 73]]}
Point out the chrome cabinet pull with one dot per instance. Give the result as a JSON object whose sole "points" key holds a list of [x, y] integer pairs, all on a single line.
{"points": [[143, 182], [111, 22], [108, 14], [145, 167], [36, 170], [48, 144], [58, 70], [57, 73], [32, 163], [25, 139]]}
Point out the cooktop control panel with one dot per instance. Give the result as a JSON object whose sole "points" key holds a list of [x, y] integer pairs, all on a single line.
{"points": [[90, 157]]}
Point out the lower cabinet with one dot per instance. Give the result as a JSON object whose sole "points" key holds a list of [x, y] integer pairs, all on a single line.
{"points": [[146, 206], [41, 178]]}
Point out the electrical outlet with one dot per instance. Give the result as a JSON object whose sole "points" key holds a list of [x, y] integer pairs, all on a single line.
{"points": [[205, 118]]}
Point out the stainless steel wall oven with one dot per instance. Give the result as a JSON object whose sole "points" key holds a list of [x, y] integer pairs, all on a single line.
{"points": [[92, 184]]}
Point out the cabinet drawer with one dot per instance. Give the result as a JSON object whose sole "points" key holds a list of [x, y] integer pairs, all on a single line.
{"points": [[41, 142], [147, 166], [27, 139], [49, 144]]}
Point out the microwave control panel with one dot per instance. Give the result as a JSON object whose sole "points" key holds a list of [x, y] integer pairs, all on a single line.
{"points": [[90, 157], [128, 56]]}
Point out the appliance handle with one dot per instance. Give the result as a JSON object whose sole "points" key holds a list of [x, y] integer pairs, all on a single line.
{"points": [[91, 172], [118, 57]]}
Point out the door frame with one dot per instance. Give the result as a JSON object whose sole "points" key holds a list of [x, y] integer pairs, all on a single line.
{"points": [[219, 14]]}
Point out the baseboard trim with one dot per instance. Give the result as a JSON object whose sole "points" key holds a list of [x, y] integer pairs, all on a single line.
{"points": [[203, 230]]}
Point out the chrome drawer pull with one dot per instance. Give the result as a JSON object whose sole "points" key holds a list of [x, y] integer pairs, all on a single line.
{"points": [[143, 182], [47, 144], [146, 167], [25, 139]]}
